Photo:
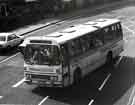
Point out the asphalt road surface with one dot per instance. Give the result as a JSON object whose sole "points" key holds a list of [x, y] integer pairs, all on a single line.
{"points": [[105, 86]]}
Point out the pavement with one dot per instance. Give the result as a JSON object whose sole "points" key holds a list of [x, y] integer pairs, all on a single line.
{"points": [[74, 14]]}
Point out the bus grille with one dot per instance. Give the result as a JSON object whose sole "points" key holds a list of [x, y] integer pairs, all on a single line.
{"points": [[46, 77]]}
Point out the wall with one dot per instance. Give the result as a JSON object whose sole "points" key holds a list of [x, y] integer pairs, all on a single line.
{"points": [[84, 3]]}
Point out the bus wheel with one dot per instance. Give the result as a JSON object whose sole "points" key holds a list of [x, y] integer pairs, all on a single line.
{"points": [[109, 60], [77, 76], [8, 48]]}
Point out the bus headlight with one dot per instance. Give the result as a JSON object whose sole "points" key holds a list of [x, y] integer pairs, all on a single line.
{"points": [[26, 68], [58, 71], [54, 78], [28, 76]]}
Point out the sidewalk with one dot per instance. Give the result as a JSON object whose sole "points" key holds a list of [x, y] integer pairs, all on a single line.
{"points": [[74, 14]]}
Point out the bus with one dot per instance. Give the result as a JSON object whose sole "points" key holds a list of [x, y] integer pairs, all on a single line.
{"points": [[63, 58]]}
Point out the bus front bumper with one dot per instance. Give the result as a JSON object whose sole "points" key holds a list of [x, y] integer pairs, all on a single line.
{"points": [[44, 83]]}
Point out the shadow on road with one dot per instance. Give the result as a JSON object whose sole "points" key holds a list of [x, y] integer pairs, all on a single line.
{"points": [[117, 89], [121, 80]]}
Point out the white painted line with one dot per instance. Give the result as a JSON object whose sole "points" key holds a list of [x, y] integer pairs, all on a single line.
{"points": [[9, 58], [91, 102], [103, 84], [126, 40], [131, 96], [117, 63], [18, 83], [43, 100], [133, 102], [1, 97], [128, 29]]}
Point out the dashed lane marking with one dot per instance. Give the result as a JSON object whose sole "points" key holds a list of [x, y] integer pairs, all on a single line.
{"points": [[129, 29], [91, 102], [133, 102], [1, 97], [131, 96], [104, 82], [18, 83], [42, 101], [9, 58], [118, 62]]}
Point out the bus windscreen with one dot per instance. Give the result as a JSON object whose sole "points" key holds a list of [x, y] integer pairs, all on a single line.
{"points": [[42, 54]]}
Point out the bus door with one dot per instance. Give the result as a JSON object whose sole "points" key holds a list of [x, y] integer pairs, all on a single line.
{"points": [[65, 65]]}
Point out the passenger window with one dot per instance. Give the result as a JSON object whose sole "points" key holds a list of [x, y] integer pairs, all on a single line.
{"points": [[85, 43], [108, 35], [64, 53], [71, 48], [74, 47], [96, 42], [77, 46], [98, 39], [119, 29], [11, 37]]}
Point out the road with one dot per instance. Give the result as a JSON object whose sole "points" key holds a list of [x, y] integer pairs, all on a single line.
{"points": [[105, 86]]}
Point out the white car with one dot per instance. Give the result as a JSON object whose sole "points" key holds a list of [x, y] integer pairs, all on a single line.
{"points": [[9, 40]]}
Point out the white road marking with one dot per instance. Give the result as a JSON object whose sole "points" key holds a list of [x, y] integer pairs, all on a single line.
{"points": [[129, 29], [43, 100], [117, 63], [133, 102], [131, 96], [103, 84], [1, 97], [125, 40], [18, 83], [9, 58], [91, 102]]}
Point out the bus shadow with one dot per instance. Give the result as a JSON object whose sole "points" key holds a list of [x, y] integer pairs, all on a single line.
{"points": [[75, 93], [121, 80], [119, 86]]}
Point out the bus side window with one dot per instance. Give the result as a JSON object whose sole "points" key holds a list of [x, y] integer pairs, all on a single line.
{"points": [[115, 31], [84, 43], [119, 30], [97, 40], [74, 47], [71, 47], [64, 55], [77, 46], [108, 36]]}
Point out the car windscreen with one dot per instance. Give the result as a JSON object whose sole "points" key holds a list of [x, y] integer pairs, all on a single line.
{"points": [[2, 38]]}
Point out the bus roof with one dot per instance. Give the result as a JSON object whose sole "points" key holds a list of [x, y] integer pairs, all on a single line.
{"points": [[66, 34], [76, 30], [100, 23]]}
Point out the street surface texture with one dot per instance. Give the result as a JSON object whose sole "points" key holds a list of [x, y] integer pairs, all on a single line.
{"points": [[105, 86]]}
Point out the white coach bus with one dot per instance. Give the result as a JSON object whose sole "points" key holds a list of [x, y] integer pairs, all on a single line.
{"points": [[64, 57]]}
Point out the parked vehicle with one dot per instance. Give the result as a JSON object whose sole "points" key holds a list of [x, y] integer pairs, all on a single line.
{"points": [[9, 40]]}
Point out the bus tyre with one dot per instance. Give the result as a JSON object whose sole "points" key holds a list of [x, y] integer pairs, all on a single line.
{"points": [[8, 48], [77, 76], [109, 60]]}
